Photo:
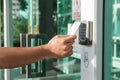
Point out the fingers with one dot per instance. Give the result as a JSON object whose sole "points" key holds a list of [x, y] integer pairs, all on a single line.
{"points": [[67, 38], [68, 51], [61, 45], [68, 46], [70, 38]]}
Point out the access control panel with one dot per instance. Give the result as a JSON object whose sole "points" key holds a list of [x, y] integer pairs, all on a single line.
{"points": [[86, 33]]}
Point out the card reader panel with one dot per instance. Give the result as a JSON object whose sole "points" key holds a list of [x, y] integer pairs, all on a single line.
{"points": [[86, 33]]}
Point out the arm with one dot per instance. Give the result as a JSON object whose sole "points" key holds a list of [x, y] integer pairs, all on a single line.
{"points": [[57, 47]]}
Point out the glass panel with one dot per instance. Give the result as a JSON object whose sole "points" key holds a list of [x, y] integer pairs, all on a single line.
{"points": [[1, 35], [112, 40], [116, 41], [64, 13], [20, 19], [108, 44], [20, 25], [1, 22], [64, 16], [59, 12], [118, 1]]}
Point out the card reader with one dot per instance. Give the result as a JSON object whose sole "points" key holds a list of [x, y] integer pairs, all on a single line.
{"points": [[86, 33]]}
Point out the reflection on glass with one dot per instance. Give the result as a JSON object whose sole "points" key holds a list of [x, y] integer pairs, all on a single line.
{"points": [[116, 41], [64, 16], [1, 23], [20, 25], [19, 16], [71, 65]]}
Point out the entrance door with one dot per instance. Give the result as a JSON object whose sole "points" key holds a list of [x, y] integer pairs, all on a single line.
{"points": [[111, 40], [48, 17]]}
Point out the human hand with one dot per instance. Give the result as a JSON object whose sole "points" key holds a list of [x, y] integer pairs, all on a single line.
{"points": [[60, 46]]}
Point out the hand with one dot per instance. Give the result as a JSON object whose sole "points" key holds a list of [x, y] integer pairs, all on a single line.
{"points": [[61, 46]]}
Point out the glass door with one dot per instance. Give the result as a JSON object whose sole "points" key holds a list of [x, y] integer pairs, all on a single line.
{"points": [[116, 40], [112, 40], [1, 35], [70, 65], [43, 19], [19, 25]]}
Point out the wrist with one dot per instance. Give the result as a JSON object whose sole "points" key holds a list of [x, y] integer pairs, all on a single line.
{"points": [[46, 50]]}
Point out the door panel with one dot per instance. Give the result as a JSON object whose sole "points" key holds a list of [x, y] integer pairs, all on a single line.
{"points": [[50, 23], [111, 40], [116, 40], [1, 37]]}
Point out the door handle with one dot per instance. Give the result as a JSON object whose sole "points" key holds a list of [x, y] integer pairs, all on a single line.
{"points": [[36, 69]]}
